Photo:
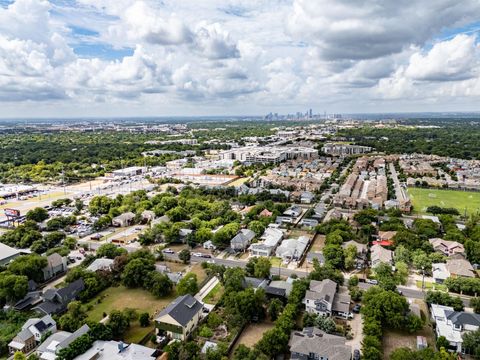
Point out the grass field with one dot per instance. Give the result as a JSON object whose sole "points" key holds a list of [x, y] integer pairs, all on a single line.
{"points": [[119, 298], [431, 286], [214, 295], [461, 200]]}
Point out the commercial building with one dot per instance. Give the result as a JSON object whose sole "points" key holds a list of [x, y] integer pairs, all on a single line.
{"points": [[345, 149], [268, 154]]}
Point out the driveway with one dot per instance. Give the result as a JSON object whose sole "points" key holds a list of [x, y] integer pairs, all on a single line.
{"points": [[356, 324]]}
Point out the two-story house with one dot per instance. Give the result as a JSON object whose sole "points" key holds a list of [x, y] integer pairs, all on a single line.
{"points": [[180, 317], [447, 248], [56, 265], [241, 241], [322, 298], [31, 334], [453, 324]]}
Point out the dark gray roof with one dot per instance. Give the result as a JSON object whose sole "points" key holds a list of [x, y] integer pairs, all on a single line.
{"points": [[56, 301], [463, 318], [182, 309]]}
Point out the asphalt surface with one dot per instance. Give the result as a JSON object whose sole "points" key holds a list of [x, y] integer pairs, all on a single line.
{"points": [[407, 292]]}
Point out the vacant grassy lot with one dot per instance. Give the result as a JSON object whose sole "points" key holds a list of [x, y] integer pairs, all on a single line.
{"points": [[119, 298], [393, 339], [460, 200]]}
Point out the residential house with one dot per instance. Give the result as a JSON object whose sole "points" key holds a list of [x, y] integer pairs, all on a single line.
{"points": [[123, 220], [55, 301], [452, 268], [31, 334], [209, 245], [8, 253], [460, 268], [380, 255], [386, 235], [315, 344], [293, 211], [453, 324], [279, 288], [440, 272], [56, 265], [180, 317], [292, 249], [309, 222], [322, 298], [320, 211], [265, 213], [100, 264], [60, 340], [117, 350], [361, 248], [241, 241], [307, 197], [269, 241], [148, 216], [447, 248], [316, 255]]}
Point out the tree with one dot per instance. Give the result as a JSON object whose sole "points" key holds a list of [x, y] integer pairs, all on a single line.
{"points": [[188, 284], [326, 324], [144, 319], [29, 265], [442, 342], [275, 307], [334, 256], [350, 254], [258, 267], [402, 272], [19, 356], [203, 235], [385, 276], [110, 251], [421, 261], [402, 254], [100, 205], [471, 343], [257, 227], [441, 298], [102, 223], [159, 284], [234, 279], [273, 342], [184, 255], [136, 273], [119, 322], [475, 304], [38, 214], [12, 287], [74, 318]]}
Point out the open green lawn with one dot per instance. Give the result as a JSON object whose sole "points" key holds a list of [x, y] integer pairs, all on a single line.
{"points": [[432, 286], [461, 200], [214, 295], [119, 298]]}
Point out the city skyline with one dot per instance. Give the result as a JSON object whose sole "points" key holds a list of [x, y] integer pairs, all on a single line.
{"points": [[150, 58]]}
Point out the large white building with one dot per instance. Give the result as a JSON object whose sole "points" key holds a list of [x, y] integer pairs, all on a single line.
{"points": [[268, 154]]}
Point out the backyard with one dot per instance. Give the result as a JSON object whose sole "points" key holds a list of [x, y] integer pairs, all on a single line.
{"points": [[468, 201], [253, 333], [214, 295], [119, 298]]}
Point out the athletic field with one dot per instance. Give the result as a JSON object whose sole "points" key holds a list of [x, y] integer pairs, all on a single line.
{"points": [[461, 200]]}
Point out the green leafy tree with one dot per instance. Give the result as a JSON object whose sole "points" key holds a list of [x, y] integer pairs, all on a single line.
{"points": [[136, 273], [184, 255], [275, 307], [38, 214], [159, 284], [188, 285], [144, 319]]}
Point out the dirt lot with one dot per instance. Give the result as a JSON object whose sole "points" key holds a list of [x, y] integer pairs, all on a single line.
{"points": [[253, 333], [318, 243]]}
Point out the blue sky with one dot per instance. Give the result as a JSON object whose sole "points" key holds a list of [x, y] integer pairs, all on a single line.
{"points": [[149, 57]]}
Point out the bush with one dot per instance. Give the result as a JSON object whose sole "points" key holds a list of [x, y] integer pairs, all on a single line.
{"points": [[205, 332]]}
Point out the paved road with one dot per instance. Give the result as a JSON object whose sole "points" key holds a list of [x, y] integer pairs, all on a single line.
{"points": [[417, 294]]}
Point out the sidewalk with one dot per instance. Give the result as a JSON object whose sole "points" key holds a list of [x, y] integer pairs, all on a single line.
{"points": [[205, 290]]}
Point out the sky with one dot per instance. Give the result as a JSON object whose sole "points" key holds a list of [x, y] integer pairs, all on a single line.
{"points": [[94, 58]]}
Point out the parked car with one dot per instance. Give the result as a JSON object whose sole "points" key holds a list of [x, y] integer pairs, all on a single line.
{"points": [[96, 237], [356, 308], [197, 254], [168, 251], [356, 354], [372, 281], [207, 256]]}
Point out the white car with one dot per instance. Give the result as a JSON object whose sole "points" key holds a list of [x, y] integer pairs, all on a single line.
{"points": [[197, 254], [372, 281], [168, 251]]}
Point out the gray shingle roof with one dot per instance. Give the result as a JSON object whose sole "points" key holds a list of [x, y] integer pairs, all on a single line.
{"points": [[182, 309], [315, 341]]}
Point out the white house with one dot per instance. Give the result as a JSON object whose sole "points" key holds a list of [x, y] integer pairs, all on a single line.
{"points": [[453, 324], [270, 239]]}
